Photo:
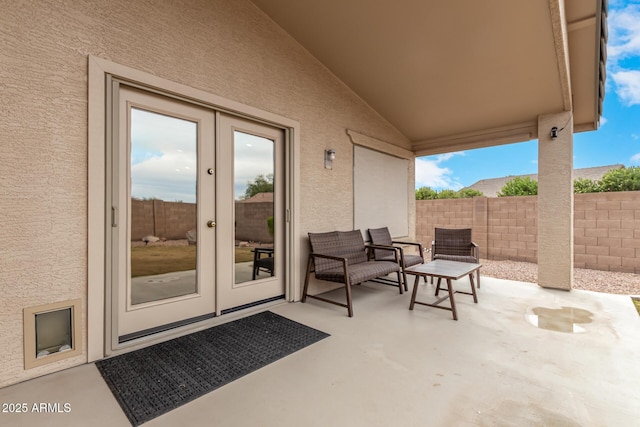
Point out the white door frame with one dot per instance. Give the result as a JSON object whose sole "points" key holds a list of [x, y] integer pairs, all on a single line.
{"points": [[100, 71]]}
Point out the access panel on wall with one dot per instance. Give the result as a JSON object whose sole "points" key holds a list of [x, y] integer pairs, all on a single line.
{"points": [[380, 191]]}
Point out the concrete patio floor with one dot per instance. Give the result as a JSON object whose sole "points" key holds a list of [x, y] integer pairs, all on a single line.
{"points": [[388, 366]]}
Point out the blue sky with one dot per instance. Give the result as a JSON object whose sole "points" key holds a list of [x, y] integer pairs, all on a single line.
{"points": [[616, 142]]}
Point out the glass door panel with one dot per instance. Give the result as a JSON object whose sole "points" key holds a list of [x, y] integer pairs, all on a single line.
{"points": [[254, 215], [163, 206]]}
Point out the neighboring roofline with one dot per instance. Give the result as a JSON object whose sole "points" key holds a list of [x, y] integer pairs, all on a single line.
{"points": [[576, 173]]}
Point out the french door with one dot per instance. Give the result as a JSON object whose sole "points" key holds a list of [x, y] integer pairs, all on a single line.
{"points": [[196, 224], [253, 232]]}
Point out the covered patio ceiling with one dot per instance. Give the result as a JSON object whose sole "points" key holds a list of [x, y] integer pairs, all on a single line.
{"points": [[463, 74]]}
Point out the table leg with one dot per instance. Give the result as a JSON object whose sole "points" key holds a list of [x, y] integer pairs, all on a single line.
{"points": [[473, 289], [415, 291], [453, 302]]}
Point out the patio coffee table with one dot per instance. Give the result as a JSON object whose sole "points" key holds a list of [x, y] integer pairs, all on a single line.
{"points": [[449, 270]]}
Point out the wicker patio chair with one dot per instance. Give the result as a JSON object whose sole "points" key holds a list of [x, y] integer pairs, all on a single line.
{"points": [[455, 245], [381, 236], [341, 256]]}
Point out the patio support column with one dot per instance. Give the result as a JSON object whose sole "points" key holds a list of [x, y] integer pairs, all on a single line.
{"points": [[555, 201]]}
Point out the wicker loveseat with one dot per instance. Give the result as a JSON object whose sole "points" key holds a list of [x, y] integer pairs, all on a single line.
{"points": [[342, 256]]}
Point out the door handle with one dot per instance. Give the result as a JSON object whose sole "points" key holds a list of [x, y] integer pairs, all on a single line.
{"points": [[211, 224]]}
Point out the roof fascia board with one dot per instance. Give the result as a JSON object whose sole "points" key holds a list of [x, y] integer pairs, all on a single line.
{"points": [[561, 44], [519, 132], [363, 140]]}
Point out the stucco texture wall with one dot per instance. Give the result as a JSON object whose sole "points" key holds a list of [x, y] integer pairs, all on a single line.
{"points": [[225, 47]]}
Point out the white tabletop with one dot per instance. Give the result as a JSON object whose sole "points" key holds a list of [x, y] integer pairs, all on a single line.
{"points": [[442, 268]]}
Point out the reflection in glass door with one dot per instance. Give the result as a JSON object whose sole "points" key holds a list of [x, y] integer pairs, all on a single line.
{"points": [[163, 206], [254, 216]]}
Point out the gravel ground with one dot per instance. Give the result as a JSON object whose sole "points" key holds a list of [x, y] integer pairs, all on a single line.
{"points": [[590, 280]]}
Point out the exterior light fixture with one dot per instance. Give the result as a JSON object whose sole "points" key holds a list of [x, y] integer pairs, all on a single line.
{"points": [[329, 157], [555, 131]]}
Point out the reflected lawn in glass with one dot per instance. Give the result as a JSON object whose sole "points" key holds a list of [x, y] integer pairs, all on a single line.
{"points": [[152, 260]]}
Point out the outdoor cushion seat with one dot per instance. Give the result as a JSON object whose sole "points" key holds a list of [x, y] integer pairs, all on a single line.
{"points": [[359, 273], [455, 244], [382, 236], [409, 260], [342, 256]]}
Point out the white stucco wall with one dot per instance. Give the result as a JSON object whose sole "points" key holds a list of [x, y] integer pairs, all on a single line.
{"points": [[225, 47]]}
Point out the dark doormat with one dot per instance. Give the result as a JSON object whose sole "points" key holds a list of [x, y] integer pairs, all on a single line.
{"points": [[155, 380]]}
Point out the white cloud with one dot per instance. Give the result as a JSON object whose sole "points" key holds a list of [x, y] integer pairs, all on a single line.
{"points": [[446, 156], [429, 173], [164, 157], [603, 121], [635, 159], [624, 43], [628, 86], [624, 32]]}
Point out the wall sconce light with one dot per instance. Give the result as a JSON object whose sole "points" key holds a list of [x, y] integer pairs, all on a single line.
{"points": [[329, 157]]}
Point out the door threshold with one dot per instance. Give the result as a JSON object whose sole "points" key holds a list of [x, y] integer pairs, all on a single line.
{"points": [[163, 328], [252, 304]]}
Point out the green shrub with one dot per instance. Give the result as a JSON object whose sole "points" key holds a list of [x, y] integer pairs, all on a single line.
{"points": [[270, 225], [626, 179], [448, 194], [585, 185], [519, 186], [426, 193], [467, 193]]}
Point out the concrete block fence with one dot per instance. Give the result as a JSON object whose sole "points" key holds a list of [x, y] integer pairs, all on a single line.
{"points": [[172, 220], [606, 227]]}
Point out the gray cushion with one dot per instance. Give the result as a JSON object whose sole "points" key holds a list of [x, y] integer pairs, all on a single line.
{"points": [[409, 260], [359, 273]]}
